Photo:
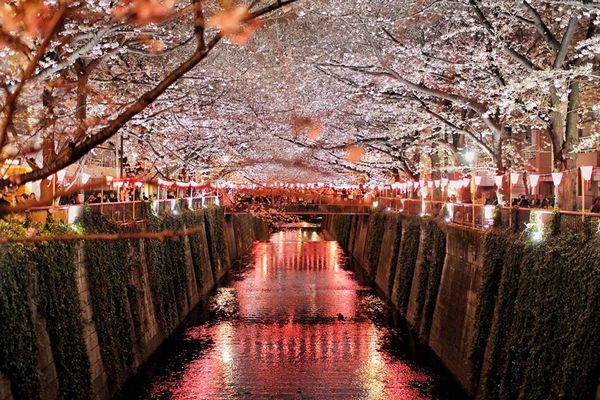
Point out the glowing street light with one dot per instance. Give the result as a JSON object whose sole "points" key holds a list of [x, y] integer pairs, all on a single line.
{"points": [[586, 176]]}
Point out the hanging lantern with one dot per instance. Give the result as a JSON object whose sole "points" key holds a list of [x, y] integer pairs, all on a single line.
{"points": [[109, 179], [436, 183], [477, 180], [498, 179], [514, 178], [533, 180], [60, 175], [556, 178], [586, 172]]}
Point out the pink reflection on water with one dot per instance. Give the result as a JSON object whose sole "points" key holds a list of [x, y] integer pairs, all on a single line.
{"points": [[299, 333]]}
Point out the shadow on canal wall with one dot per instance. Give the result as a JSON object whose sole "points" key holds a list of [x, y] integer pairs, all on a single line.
{"points": [[508, 317], [78, 319]]}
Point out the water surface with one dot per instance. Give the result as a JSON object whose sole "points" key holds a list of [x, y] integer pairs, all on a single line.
{"points": [[295, 324]]}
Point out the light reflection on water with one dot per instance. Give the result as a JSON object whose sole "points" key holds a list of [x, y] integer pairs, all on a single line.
{"points": [[295, 325]]}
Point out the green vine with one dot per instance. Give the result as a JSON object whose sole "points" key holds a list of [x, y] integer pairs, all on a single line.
{"points": [[114, 299], [407, 260], [495, 248], [431, 276], [374, 238], [546, 313], [397, 232], [18, 347], [342, 225], [215, 236], [191, 220], [163, 278]]}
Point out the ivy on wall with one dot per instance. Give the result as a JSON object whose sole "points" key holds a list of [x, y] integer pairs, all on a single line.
{"points": [[407, 259], [397, 234], [18, 347], [50, 267], [215, 236], [342, 225], [59, 305], [544, 341], [494, 254], [374, 238], [163, 278], [113, 297], [430, 278], [194, 219]]}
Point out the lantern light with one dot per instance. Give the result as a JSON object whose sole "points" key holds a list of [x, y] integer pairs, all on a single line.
{"points": [[556, 178], [465, 182], [109, 179], [586, 172], [85, 178], [430, 184], [477, 180], [415, 184], [436, 183], [514, 178], [444, 182], [421, 182], [534, 179], [498, 179]]}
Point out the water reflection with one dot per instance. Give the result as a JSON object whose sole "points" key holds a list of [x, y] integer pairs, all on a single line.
{"points": [[295, 325]]}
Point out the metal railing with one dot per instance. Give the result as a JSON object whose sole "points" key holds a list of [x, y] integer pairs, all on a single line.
{"points": [[479, 216], [123, 212]]}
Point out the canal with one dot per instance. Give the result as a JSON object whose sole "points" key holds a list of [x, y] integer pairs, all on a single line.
{"points": [[295, 323]]}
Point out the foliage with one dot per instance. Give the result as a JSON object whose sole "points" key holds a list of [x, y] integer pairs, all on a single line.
{"points": [[50, 265], [164, 281], [374, 238], [215, 236], [546, 313], [431, 275], [18, 347], [397, 234], [60, 306], [407, 260], [191, 220], [342, 227], [114, 299], [494, 255]]}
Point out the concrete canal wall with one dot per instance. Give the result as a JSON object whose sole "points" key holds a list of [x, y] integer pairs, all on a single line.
{"points": [[508, 317], [80, 318]]}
